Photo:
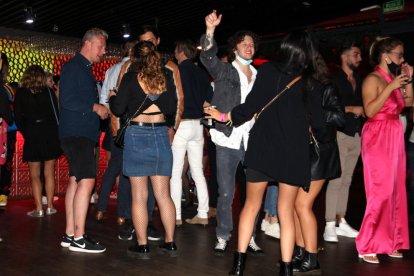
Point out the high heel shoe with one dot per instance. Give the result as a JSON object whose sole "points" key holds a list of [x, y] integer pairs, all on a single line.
{"points": [[286, 269], [396, 254], [369, 258], [239, 262]]}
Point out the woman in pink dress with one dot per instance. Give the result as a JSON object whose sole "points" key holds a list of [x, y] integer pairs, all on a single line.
{"points": [[385, 92]]}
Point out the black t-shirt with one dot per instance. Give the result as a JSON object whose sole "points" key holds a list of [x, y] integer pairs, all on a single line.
{"points": [[196, 88]]}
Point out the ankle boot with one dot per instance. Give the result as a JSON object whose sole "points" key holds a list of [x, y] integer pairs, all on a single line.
{"points": [[298, 254], [238, 264], [286, 269], [309, 264]]}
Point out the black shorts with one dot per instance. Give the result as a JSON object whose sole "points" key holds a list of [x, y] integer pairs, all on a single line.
{"points": [[80, 152], [257, 176]]}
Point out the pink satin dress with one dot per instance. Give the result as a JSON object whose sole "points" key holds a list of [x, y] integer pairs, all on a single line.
{"points": [[385, 224]]}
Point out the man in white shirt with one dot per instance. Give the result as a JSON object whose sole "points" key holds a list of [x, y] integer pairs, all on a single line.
{"points": [[113, 78], [232, 84]]}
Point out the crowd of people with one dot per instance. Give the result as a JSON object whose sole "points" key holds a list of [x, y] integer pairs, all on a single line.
{"points": [[291, 125]]}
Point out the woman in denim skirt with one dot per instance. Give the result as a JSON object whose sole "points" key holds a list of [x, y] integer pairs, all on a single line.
{"points": [[147, 95]]}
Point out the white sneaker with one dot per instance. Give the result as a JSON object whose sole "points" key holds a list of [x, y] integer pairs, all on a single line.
{"points": [[273, 230], [94, 198], [329, 234], [344, 229], [264, 225], [44, 199]]}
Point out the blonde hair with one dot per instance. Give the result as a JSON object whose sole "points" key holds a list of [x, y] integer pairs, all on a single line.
{"points": [[382, 45]]}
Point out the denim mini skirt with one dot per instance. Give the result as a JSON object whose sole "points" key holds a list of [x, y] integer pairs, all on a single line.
{"points": [[147, 151]]}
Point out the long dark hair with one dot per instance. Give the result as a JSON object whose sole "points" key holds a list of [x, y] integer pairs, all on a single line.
{"points": [[298, 54], [146, 62]]}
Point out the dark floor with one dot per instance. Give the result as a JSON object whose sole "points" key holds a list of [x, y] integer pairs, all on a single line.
{"points": [[31, 247]]}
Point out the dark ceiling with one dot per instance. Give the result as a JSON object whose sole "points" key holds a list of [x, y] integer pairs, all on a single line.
{"points": [[174, 18]]}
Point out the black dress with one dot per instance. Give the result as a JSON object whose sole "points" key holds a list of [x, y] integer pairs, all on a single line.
{"points": [[279, 140], [36, 121]]}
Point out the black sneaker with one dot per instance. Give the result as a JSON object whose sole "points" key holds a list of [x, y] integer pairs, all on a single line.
{"points": [[66, 240], [126, 231], [168, 249], [253, 249], [86, 245], [153, 234], [220, 247], [139, 251]]}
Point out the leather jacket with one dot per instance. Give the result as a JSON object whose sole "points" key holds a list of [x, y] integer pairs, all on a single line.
{"points": [[333, 113]]}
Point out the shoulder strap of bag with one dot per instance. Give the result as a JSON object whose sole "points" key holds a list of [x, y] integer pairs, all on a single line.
{"points": [[288, 86], [136, 112], [53, 106]]}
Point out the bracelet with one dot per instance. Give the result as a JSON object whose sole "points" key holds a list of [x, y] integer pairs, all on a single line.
{"points": [[222, 117], [230, 122]]}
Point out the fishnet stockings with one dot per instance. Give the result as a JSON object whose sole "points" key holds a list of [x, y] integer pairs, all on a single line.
{"points": [[161, 188]]}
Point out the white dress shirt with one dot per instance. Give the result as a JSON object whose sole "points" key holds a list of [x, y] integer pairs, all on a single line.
{"points": [[241, 132], [111, 76]]}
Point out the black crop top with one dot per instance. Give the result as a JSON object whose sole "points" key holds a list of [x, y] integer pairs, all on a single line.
{"points": [[130, 96]]}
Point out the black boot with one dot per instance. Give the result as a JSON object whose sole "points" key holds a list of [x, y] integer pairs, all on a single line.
{"points": [[168, 249], [238, 264], [298, 254], [309, 265], [286, 269]]}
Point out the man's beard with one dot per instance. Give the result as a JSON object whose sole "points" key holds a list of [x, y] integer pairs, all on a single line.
{"points": [[352, 66]]}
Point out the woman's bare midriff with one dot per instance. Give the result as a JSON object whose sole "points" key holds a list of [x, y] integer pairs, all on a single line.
{"points": [[158, 118]]}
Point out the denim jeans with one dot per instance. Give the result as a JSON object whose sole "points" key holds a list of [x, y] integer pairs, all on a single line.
{"points": [[227, 162], [189, 139], [124, 200], [112, 171], [270, 205]]}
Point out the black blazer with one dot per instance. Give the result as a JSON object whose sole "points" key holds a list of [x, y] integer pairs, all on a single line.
{"points": [[279, 140]]}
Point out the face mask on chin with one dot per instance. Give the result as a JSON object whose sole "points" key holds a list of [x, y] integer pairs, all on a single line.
{"points": [[243, 61]]}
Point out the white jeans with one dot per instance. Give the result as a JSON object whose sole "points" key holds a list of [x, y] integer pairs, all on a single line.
{"points": [[189, 138]]}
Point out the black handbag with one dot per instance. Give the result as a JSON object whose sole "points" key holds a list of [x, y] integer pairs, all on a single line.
{"points": [[324, 159], [119, 139]]}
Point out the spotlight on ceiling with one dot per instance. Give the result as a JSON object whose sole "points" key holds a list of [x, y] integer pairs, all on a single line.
{"points": [[306, 4], [373, 7], [126, 31], [29, 15]]}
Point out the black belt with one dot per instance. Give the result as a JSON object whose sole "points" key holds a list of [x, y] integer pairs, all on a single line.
{"points": [[148, 124]]}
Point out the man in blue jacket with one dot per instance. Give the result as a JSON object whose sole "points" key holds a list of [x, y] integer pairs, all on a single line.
{"points": [[79, 132]]}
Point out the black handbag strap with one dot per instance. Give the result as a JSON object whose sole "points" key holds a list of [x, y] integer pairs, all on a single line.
{"points": [[288, 86], [136, 112], [53, 106]]}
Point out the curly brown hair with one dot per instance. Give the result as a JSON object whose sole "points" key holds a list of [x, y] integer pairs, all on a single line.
{"points": [[146, 62], [34, 78]]}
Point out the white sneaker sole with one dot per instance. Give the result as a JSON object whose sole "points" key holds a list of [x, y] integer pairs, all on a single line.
{"points": [[84, 250], [64, 244], [330, 239], [342, 233]]}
